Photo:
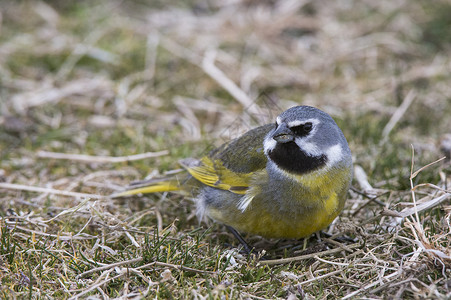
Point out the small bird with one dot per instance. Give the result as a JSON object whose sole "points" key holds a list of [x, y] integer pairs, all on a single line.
{"points": [[283, 180]]}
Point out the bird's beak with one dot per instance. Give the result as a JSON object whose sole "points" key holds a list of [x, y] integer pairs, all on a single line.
{"points": [[283, 134]]}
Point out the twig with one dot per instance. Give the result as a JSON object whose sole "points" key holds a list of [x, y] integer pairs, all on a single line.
{"points": [[214, 72], [304, 257], [253, 296], [412, 176], [432, 186], [172, 266], [70, 210], [23, 101], [368, 286], [371, 199], [343, 246], [180, 51], [423, 206], [139, 259], [424, 167], [399, 112], [331, 262], [362, 179], [82, 49], [100, 159], [20, 187], [95, 286], [58, 236], [320, 277], [110, 266]]}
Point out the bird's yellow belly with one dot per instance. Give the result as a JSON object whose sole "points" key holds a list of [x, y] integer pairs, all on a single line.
{"points": [[272, 223], [309, 205]]}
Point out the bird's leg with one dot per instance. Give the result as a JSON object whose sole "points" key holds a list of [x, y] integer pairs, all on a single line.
{"points": [[338, 238], [246, 247], [318, 236], [304, 246]]}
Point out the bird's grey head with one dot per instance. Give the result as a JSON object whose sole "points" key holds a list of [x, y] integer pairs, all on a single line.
{"points": [[305, 139]]}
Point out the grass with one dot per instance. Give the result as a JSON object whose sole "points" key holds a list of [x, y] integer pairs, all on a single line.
{"points": [[113, 79]]}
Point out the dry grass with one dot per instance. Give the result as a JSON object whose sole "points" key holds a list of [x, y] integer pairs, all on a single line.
{"points": [[96, 94]]}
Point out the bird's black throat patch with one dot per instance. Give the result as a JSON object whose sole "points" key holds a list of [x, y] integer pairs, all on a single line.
{"points": [[289, 157]]}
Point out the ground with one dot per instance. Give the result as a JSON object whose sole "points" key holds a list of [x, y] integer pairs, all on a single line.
{"points": [[95, 94]]}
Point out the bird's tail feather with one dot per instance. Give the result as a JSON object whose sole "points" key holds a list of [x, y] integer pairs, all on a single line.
{"points": [[179, 180], [156, 187]]}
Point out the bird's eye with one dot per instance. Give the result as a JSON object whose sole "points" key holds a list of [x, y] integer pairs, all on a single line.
{"points": [[303, 129]]}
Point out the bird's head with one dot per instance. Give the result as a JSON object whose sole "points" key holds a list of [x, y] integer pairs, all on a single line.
{"points": [[305, 139]]}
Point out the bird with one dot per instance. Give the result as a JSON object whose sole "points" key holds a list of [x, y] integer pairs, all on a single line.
{"points": [[284, 180]]}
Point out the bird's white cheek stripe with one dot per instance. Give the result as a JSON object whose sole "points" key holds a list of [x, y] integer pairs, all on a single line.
{"points": [[309, 148], [334, 154], [269, 144]]}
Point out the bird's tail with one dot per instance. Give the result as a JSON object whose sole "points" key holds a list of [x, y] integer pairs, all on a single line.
{"points": [[180, 180], [158, 185]]}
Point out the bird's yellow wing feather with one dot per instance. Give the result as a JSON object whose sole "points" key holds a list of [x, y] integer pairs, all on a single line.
{"points": [[232, 165], [213, 173]]}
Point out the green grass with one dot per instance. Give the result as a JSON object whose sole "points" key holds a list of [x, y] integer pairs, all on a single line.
{"points": [[139, 90]]}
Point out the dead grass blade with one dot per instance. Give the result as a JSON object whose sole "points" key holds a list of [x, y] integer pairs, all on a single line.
{"points": [[307, 256], [21, 187], [100, 159]]}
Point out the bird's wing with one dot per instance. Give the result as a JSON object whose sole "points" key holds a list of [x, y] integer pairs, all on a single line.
{"points": [[232, 165]]}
